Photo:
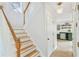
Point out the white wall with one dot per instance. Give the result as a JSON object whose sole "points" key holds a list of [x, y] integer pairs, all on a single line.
{"points": [[75, 30], [7, 42], [1, 41], [36, 26], [51, 29], [15, 18]]}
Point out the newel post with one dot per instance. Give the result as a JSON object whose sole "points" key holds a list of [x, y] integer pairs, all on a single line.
{"points": [[18, 46]]}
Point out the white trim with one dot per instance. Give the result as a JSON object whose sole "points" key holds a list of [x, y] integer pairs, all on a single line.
{"points": [[52, 52]]}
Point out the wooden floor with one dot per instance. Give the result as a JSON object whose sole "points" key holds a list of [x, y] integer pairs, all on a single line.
{"points": [[64, 49], [59, 53]]}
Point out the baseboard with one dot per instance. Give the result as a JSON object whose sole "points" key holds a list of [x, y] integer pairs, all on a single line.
{"points": [[52, 52]]}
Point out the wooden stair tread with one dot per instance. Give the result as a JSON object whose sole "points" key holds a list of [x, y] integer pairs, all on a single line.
{"points": [[21, 33], [20, 37], [25, 53], [24, 39], [26, 47], [19, 30], [23, 45], [28, 41], [18, 33], [36, 54], [32, 53], [24, 50]]}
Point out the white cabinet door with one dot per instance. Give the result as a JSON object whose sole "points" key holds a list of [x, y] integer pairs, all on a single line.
{"points": [[62, 36]]}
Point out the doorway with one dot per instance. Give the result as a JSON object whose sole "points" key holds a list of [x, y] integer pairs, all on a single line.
{"points": [[64, 40]]}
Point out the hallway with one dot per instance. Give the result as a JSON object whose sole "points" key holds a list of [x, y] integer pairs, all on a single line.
{"points": [[64, 49], [60, 53]]}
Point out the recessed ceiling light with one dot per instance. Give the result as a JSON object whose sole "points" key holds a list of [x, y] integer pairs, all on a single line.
{"points": [[59, 3], [59, 8]]}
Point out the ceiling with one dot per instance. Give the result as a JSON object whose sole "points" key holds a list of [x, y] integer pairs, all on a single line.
{"points": [[66, 14]]}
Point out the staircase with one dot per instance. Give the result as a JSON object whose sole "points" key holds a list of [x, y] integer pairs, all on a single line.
{"points": [[27, 49], [24, 44]]}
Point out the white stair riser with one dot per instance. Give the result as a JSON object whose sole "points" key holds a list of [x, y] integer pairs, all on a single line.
{"points": [[19, 31], [18, 35], [24, 39], [26, 42], [21, 37]]}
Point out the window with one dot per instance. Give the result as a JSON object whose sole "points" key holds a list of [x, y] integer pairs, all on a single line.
{"points": [[16, 6]]}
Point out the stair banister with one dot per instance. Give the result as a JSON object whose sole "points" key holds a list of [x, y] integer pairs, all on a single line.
{"points": [[26, 10], [17, 41]]}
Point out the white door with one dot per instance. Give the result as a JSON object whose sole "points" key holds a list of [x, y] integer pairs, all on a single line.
{"points": [[51, 29], [75, 30], [52, 40]]}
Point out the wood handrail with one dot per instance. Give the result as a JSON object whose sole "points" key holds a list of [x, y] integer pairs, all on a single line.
{"points": [[9, 25], [26, 10], [26, 7], [17, 41]]}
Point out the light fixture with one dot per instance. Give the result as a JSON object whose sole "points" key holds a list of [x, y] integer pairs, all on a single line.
{"points": [[59, 7]]}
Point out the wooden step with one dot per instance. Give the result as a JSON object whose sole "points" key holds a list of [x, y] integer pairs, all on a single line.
{"points": [[18, 27], [21, 35], [26, 44], [26, 53], [33, 54], [37, 55], [24, 50], [25, 39], [19, 31], [27, 48]]}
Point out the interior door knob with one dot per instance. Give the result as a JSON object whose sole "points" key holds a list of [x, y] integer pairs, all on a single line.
{"points": [[48, 39], [78, 44]]}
